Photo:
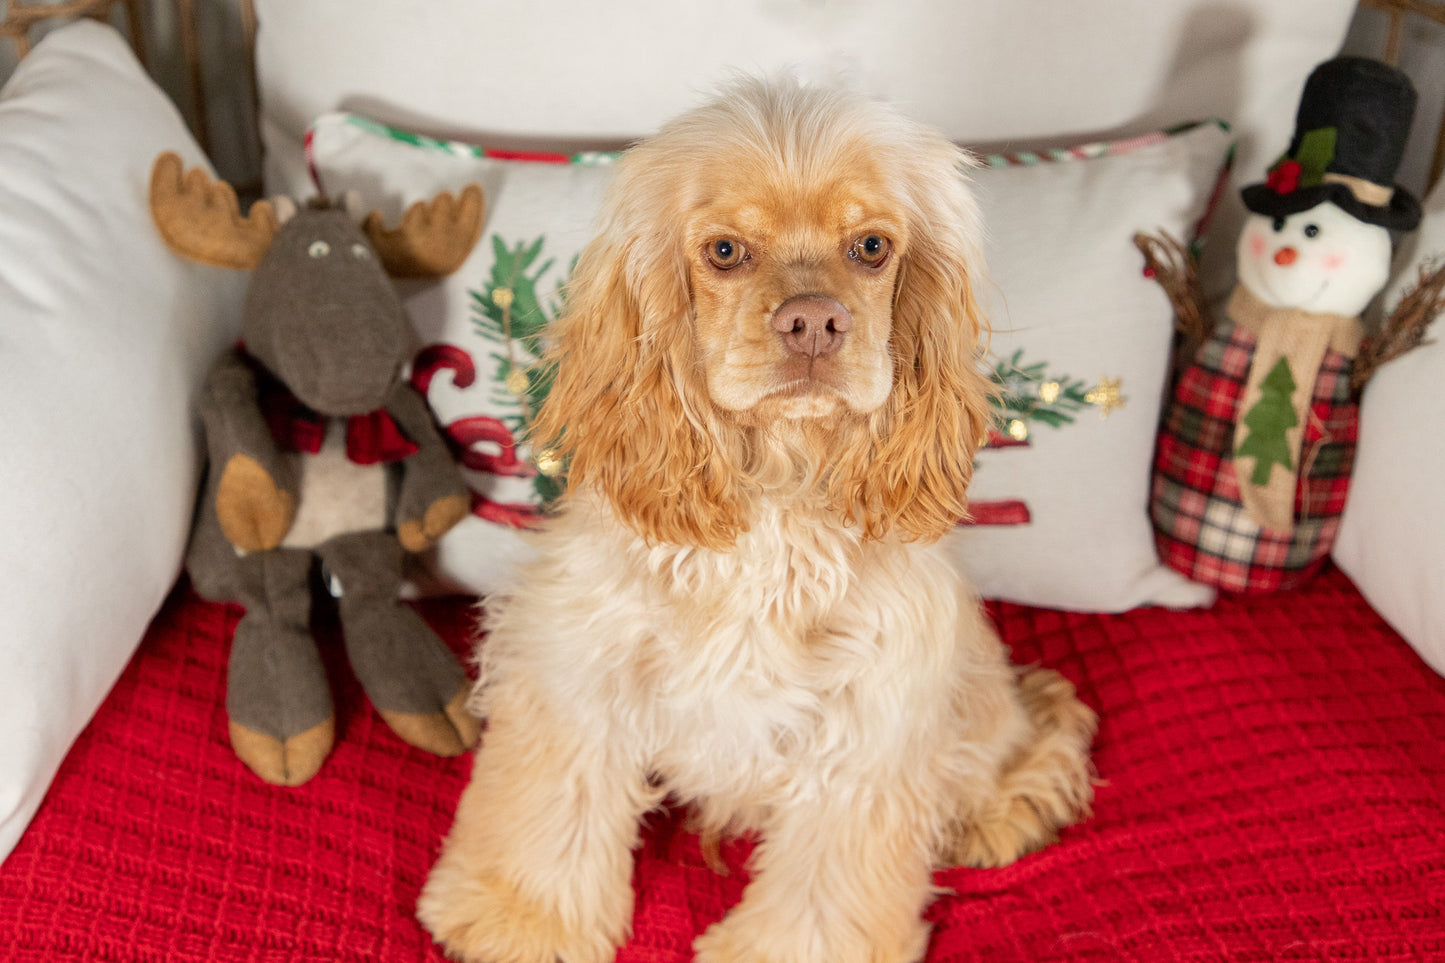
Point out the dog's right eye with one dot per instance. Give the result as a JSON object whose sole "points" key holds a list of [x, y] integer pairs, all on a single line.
{"points": [[726, 253]]}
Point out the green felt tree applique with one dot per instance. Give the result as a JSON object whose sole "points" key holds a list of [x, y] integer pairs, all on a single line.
{"points": [[1268, 422]]}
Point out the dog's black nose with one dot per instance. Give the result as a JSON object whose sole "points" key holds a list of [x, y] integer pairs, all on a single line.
{"points": [[812, 325]]}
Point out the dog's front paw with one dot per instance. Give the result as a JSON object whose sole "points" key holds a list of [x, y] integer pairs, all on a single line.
{"points": [[479, 920], [739, 939], [719, 945]]}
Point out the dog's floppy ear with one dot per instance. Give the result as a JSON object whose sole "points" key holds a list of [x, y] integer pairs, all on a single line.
{"points": [[937, 415], [619, 413]]}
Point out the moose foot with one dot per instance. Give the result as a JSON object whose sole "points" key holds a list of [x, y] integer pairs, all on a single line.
{"points": [[282, 723], [411, 677]]}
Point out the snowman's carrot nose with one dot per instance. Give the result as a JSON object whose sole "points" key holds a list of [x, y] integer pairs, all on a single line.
{"points": [[1285, 256]]}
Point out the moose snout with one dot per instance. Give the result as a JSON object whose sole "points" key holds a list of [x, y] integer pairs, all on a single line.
{"points": [[812, 325]]}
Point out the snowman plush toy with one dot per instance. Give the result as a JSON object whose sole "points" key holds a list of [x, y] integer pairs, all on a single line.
{"points": [[1258, 441]]}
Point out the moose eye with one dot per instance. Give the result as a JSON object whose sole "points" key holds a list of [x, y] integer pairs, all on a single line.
{"points": [[360, 252], [871, 250], [1312, 230], [726, 253], [319, 249]]}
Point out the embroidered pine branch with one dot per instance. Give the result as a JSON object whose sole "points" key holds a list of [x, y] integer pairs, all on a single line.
{"points": [[512, 313], [1404, 330], [1169, 262], [519, 310], [1028, 393]]}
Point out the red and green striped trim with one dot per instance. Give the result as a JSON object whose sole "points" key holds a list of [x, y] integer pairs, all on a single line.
{"points": [[1112, 148], [463, 149]]}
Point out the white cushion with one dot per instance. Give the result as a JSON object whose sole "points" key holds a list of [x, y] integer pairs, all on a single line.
{"points": [[1068, 294], [1012, 73], [106, 337], [1392, 534], [1067, 290]]}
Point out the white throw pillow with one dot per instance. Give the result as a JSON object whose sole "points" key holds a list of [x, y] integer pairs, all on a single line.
{"points": [[106, 336], [1013, 73], [1074, 316], [1067, 293], [1392, 534]]}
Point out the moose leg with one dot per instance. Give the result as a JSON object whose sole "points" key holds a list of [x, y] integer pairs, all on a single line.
{"points": [[282, 722], [409, 674]]}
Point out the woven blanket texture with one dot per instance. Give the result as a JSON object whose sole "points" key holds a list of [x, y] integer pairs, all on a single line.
{"points": [[1273, 789]]}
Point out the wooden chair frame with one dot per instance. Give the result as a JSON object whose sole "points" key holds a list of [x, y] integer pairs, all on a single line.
{"points": [[1398, 11], [24, 15], [19, 17]]}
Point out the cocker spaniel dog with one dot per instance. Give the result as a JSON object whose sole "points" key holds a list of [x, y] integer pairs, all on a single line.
{"points": [[768, 394]]}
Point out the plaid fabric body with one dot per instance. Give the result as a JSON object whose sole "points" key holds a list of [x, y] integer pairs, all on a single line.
{"points": [[1200, 525]]}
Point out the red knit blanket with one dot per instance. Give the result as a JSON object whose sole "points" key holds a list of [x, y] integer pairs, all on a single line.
{"points": [[1275, 791]]}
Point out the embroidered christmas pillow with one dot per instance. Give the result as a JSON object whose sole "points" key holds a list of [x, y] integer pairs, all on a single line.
{"points": [[1080, 345], [1081, 342]]}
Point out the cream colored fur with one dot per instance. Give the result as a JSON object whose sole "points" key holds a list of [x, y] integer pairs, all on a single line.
{"points": [[774, 640]]}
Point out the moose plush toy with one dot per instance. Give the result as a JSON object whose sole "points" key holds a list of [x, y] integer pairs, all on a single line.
{"points": [[1257, 446], [324, 465]]}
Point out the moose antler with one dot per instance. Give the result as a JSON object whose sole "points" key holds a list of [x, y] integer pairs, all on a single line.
{"points": [[199, 217], [434, 237]]}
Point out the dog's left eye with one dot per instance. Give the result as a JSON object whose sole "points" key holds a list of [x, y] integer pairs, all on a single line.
{"points": [[871, 250]]}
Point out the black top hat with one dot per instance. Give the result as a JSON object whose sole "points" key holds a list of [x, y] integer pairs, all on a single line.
{"points": [[1354, 117]]}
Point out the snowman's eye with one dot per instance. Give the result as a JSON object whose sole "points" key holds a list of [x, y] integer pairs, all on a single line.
{"points": [[1312, 230], [1278, 224]]}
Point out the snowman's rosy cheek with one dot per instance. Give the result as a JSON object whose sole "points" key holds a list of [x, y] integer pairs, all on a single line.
{"points": [[1256, 245], [1333, 261]]}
